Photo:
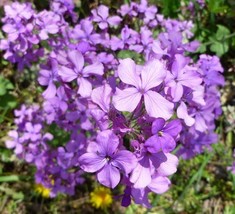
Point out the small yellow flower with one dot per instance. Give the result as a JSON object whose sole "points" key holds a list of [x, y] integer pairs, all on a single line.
{"points": [[43, 191], [101, 197]]}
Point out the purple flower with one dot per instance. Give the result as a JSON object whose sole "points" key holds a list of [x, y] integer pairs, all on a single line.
{"points": [[211, 70], [102, 97], [79, 72], [32, 131], [164, 136], [152, 75], [182, 113], [101, 16], [107, 160], [15, 142], [128, 37], [47, 78], [84, 31], [64, 8], [18, 11], [182, 76], [49, 23], [149, 163]]}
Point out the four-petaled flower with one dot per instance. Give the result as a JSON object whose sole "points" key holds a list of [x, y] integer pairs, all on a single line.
{"points": [[107, 160], [151, 76], [164, 135]]}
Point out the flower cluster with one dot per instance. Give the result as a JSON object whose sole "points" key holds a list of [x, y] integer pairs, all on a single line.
{"points": [[125, 96]]}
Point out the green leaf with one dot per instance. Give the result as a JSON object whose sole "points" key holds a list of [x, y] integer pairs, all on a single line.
{"points": [[127, 54], [8, 101], [220, 43], [9, 178], [217, 6], [5, 85], [130, 54], [219, 48], [222, 32]]}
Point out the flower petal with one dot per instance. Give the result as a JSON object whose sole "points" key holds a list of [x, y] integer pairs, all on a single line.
{"points": [[153, 74], [182, 113], [103, 11], [158, 125], [168, 167], [173, 128], [157, 106], [153, 145], [96, 68], [67, 74], [141, 175], [107, 142], [127, 99], [127, 72], [85, 87], [124, 160], [177, 92], [109, 176], [114, 20], [140, 196], [77, 59], [91, 162], [101, 96], [159, 184], [50, 92]]}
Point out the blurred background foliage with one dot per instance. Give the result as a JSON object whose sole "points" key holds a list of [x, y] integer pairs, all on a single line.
{"points": [[201, 185]]}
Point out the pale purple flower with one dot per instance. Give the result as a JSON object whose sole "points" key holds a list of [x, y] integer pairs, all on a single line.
{"points": [[14, 142], [102, 97], [149, 163], [107, 160], [182, 113], [18, 11], [151, 76], [129, 9], [148, 11], [158, 185], [48, 23]]}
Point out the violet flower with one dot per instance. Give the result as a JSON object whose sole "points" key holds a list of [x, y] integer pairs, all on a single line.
{"points": [[164, 136], [107, 160], [101, 16], [80, 72]]}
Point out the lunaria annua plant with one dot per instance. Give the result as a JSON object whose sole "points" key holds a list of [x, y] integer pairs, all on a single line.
{"points": [[120, 86]]}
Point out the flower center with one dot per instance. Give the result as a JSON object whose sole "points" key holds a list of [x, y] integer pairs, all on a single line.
{"points": [[142, 91]]}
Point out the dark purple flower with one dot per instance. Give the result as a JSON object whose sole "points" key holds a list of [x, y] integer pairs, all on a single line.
{"points": [[164, 136]]}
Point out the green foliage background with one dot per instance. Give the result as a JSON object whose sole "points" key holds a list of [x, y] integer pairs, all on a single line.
{"points": [[201, 185]]}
